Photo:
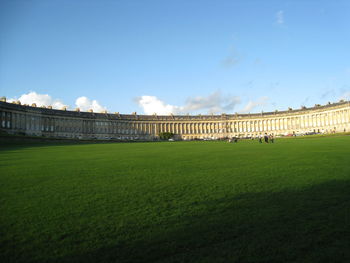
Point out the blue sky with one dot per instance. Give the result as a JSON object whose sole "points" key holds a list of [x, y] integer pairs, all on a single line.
{"points": [[176, 56]]}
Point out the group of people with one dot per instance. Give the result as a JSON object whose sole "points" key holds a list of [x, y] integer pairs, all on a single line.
{"points": [[267, 138], [234, 139]]}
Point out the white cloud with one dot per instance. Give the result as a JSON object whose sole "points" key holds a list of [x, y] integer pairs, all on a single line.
{"points": [[86, 104], [40, 100], [214, 103], [151, 104], [83, 103], [253, 104], [280, 17]]}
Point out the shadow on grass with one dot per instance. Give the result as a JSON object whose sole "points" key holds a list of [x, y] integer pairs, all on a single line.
{"points": [[13, 145], [10, 143], [309, 225]]}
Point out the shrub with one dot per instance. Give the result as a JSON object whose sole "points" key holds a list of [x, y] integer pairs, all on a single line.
{"points": [[166, 135]]}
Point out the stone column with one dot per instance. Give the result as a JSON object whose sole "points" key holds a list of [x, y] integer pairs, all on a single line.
{"points": [[341, 116], [316, 121], [311, 121], [336, 118], [285, 124]]}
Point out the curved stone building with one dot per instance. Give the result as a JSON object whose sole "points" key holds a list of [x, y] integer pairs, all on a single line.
{"points": [[45, 121]]}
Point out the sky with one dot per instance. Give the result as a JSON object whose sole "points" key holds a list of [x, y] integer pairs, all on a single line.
{"points": [[182, 56]]}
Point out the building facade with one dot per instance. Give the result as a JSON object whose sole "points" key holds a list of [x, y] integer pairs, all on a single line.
{"points": [[47, 122]]}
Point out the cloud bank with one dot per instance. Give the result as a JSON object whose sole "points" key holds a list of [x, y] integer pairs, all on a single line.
{"points": [[40, 100], [86, 104], [151, 105], [83, 102], [215, 103], [253, 104]]}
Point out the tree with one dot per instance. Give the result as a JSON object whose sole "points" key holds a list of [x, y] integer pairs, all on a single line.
{"points": [[166, 135]]}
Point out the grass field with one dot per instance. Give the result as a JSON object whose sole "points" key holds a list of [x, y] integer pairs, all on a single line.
{"points": [[176, 201]]}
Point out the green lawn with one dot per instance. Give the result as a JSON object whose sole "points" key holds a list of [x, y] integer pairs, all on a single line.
{"points": [[176, 201]]}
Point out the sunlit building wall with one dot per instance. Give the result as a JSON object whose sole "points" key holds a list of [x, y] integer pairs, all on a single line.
{"points": [[47, 122]]}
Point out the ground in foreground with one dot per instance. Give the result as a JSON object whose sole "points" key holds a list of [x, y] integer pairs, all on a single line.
{"points": [[176, 202]]}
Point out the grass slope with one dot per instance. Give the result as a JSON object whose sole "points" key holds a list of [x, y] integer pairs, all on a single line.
{"points": [[176, 202]]}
